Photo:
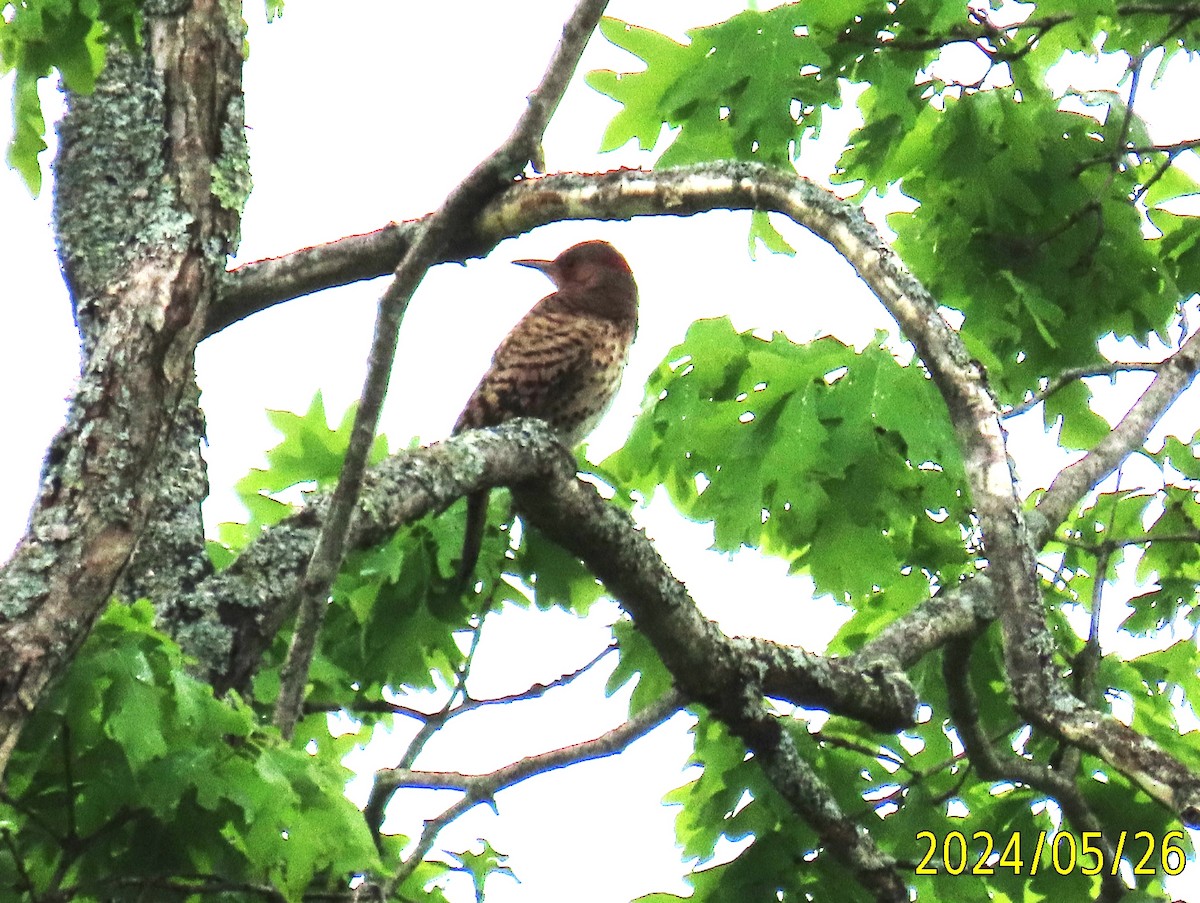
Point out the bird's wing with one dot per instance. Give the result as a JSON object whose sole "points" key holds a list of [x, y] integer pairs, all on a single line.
{"points": [[540, 363]]}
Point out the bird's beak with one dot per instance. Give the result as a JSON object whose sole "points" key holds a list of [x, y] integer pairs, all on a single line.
{"points": [[545, 266]]}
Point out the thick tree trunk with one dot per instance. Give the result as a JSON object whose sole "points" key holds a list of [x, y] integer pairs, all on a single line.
{"points": [[146, 208]]}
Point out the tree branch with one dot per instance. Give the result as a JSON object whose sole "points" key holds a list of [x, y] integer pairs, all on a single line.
{"points": [[457, 211], [414, 484], [1075, 481], [255, 286], [483, 787], [1069, 376], [707, 667], [469, 703], [964, 711]]}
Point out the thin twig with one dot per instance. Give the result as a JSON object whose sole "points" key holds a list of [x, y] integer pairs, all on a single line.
{"points": [[432, 725], [483, 787], [1069, 376], [385, 786], [19, 864], [1173, 148], [469, 703], [1135, 78], [1117, 542], [461, 206], [1088, 660]]}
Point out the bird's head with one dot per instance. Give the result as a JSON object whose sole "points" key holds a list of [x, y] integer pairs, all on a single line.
{"points": [[594, 277]]}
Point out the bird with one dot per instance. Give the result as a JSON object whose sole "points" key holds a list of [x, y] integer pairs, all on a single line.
{"points": [[561, 363]]}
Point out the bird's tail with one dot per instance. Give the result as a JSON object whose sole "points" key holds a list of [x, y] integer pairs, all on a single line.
{"points": [[477, 506]]}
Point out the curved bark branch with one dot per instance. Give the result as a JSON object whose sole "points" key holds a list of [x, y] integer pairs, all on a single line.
{"points": [[255, 591], [707, 666], [1039, 690]]}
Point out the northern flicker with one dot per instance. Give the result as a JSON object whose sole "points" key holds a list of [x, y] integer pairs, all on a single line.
{"points": [[562, 362]]}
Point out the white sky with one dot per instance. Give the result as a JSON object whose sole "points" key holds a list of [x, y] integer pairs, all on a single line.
{"points": [[363, 116]]}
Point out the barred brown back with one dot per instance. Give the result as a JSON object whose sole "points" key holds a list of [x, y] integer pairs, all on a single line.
{"points": [[562, 362]]}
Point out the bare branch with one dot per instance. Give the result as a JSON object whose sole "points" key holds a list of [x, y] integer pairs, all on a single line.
{"points": [[1069, 376], [432, 725], [483, 787], [457, 211], [469, 703], [256, 286], [535, 691]]}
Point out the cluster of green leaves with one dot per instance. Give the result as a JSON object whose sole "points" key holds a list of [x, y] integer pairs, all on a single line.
{"points": [[842, 462], [1030, 218], [132, 779], [398, 609], [1048, 260], [41, 37], [1049, 222], [1172, 563]]}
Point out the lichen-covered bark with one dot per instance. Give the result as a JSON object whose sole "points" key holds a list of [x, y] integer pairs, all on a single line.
{"points": [[170, 559], [143, 241]]}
